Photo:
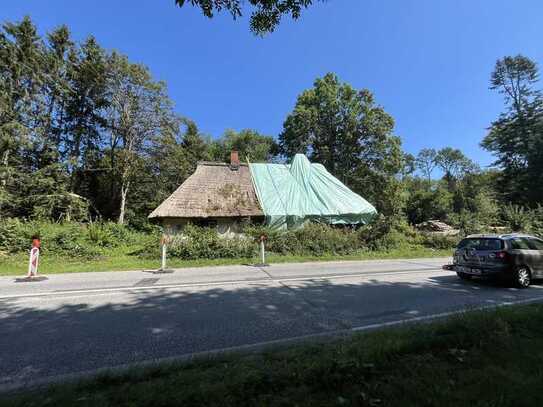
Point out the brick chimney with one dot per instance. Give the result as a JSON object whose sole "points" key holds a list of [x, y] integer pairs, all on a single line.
{"points": [[234, 160]]}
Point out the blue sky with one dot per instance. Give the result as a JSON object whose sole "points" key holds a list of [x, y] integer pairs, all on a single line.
{"points": [[428, 62]]}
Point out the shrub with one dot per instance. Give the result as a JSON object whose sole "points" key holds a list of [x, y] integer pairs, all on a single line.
{"points": [[110, 234], [57, 238], [312, 239], [517, 218], [199, 242], [468, 223], [436, 241], [388, 233], [14, 236]]}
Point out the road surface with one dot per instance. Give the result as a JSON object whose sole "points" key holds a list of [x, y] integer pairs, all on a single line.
{"points": [[81, 322]]}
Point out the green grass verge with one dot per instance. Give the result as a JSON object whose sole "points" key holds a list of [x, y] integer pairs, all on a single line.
{"points": [[490, 358], [120, 259]]}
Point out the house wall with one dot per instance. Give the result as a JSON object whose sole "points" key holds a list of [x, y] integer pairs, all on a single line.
{"points": [[226, 227]]}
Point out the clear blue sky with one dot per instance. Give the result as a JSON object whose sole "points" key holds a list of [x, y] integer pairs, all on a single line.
{"points": [[428, 62]]}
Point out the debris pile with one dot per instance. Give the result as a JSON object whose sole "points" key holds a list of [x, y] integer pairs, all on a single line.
{"points": [[437, 227]]}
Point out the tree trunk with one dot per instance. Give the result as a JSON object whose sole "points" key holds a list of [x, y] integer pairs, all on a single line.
{"points": [[5, 160], [124, 193]]}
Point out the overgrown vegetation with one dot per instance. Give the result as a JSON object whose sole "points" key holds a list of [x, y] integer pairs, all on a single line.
{"points": [[88, 136], [107, 245], [69, 239], [483, 358]]}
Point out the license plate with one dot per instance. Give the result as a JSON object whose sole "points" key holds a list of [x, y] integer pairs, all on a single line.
{"points": [[476, 271]]}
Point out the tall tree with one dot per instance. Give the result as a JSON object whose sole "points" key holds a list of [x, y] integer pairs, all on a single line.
{"points": [[454, 164], [137, 108], [344, 129], [426, 162], [266, 14], [516, 137]]}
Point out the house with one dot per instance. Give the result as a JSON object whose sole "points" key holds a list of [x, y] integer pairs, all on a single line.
{"points": [[217, 194], [284, 196]]}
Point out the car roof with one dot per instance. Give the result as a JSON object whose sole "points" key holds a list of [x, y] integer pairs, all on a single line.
{"points": [[498, 236]]}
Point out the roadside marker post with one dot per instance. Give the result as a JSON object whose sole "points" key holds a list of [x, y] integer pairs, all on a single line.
{"points": [[33, 262], [164, 254], [262, 263]]}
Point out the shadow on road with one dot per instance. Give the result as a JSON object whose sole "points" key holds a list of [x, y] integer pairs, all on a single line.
{"points": [[44, 336]]}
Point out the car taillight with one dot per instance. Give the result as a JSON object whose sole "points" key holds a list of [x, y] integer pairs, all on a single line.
{"points": [[501, 255]]}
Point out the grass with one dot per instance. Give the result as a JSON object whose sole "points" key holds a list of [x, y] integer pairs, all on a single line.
{"points": [[488, 358], [120, 259]]}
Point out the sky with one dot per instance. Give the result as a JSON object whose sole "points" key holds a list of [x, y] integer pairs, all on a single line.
{"points": [[428, 62]]}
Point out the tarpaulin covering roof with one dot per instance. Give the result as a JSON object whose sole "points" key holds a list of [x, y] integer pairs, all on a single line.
{"points": [[292, 194]]}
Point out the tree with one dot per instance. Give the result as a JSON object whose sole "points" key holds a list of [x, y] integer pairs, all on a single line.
{"points": [[137, 108], [426, 162], [454, 165], [265, 17], [250, 144], [516, 137], [343, 129]]}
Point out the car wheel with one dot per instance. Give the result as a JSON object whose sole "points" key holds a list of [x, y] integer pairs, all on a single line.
{"points": [[463, 276], [523, 277]]}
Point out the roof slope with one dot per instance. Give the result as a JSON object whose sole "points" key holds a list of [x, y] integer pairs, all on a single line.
{"points": [[214, 190], [293, 194]]}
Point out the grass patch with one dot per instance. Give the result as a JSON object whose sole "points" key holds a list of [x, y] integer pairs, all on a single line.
{"points": [[489, 358], [121, 259]]}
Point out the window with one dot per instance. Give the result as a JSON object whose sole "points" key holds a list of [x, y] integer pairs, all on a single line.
{"points": [[536, 244], [481, 244], [521, 243]]}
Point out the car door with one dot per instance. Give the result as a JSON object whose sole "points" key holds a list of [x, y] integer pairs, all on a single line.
{"points": [[522, 253], [536, 246]]}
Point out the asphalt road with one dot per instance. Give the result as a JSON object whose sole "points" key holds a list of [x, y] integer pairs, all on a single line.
{"points": [[75, 323]]}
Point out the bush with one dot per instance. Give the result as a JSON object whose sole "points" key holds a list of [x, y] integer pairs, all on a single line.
{"points": [[517, 218], [468, 223], [388, 233], [15, 236], [68, 238], [57, 238], [110, 234], [199, 242], [439, 242], [313, 239]]}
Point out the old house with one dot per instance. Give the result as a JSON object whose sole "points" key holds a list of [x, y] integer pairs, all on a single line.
{"points": [[285, 196], [217, 194]]}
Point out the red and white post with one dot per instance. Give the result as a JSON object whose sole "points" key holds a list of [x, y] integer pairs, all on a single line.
{"points": [[34, 258]]}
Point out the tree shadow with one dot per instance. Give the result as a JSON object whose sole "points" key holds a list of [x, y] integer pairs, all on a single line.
{"points": [[46, 336]]}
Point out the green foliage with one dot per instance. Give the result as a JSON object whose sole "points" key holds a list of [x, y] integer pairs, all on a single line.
{"points": [[109, 234], [266, 14], [438, 241], [202, 243], [515, 137], [361, 150], [249, 143], [468, 222], [521, 219], [68, 238], [425, 204], [388, 233], [312, 239]]}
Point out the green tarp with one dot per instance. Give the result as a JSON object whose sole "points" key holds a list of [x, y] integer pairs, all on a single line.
{"points": [[292, 194]]}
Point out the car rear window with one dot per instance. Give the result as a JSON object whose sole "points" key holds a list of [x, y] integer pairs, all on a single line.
{"points": [[481, 244]]}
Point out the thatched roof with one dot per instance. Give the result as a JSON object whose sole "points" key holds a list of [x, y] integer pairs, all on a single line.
{"points": [[214, 190]]}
